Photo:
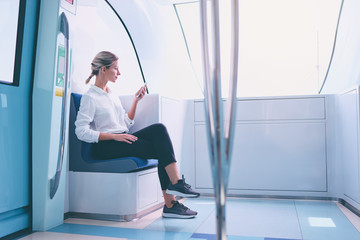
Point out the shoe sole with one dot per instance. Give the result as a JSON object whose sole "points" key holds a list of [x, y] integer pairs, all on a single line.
{"points": [[180, 194], [173, 215]]}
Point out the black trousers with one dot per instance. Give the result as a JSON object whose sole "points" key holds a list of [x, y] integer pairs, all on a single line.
{"points": [[153, 143]]}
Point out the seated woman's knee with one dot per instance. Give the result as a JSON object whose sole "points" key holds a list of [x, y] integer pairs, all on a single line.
{"points": [[160, 127]]}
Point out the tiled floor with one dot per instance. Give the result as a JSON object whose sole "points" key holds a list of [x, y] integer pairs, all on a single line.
{"points": [[246, 219]]}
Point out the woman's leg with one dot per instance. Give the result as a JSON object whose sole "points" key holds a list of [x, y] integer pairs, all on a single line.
{"points": [[158, 136], [168, 199], [170, 178], [172, 172], [153, 142]]}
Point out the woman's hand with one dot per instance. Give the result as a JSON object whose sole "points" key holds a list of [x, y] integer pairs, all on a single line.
{"points": [[138, 96], [128, 138], [140, 93]]}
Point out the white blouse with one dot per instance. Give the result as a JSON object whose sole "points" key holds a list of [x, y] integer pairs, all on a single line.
{"points": [[100, 112]]}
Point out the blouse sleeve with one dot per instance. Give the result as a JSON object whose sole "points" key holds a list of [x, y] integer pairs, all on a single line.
{"points": [[129, 123], [123, 114], [84, 118]]}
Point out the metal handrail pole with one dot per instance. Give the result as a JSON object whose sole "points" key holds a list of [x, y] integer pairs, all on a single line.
{"points": [[206, 69], [213, 108], [220, 138], [219, 129], [230, 124]]}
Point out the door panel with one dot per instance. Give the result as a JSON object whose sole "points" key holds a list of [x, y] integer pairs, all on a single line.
{"points": [[15, 130]]}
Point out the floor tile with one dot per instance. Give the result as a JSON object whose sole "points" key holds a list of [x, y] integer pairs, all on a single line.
{"points": [[64, 236], [354, 219], [246, 219], [205, 236], [322, 220], [138, 223], [257, 218], [129, 233]]}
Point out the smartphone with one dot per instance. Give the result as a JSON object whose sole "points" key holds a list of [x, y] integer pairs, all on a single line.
{"points": [[141, 89]]}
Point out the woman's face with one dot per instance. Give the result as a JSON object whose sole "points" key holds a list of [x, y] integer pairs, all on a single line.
{"points": [[112, 72]]}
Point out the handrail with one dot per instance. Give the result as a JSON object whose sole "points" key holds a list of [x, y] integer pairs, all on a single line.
{"points": [[333, 50], [230, 126], [132, 42], [54, 181], [220, 140]]}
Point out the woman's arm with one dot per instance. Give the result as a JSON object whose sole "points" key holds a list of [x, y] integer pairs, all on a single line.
{"points": [[84, 117], [138, 96], [128, 138]]}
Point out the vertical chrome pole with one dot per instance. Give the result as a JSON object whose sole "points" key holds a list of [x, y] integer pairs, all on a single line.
{"points": [[230, 122], [220, 141]]}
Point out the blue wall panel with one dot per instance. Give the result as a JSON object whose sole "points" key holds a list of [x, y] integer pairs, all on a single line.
{"points": [[15, 123]]}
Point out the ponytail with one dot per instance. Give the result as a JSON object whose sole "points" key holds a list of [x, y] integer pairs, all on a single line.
{"points": [[89, 78]]}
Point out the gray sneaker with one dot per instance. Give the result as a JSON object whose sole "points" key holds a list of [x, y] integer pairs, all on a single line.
{"points": [[182, 189], [178, 210]]}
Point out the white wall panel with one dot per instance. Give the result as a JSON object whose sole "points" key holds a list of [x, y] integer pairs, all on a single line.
{"points": [[281, 156], [279, 145], [274, 109], [348, 143]]}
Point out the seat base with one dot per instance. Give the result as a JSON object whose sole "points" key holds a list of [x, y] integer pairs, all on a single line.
{"points": [[114, 196], [112, 217]]}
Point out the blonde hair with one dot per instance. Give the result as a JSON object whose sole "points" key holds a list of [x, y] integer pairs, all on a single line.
{"points": [[101, 59]]}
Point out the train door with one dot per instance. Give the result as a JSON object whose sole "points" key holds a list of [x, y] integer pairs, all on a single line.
{"points": [[18, 24]]}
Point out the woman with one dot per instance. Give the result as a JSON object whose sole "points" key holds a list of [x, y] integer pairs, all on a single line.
{"points": [[102, 120]]}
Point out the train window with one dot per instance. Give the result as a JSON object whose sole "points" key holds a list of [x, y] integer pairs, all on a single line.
{"points": [[10, 38], [97, 28], [285, 46]]}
